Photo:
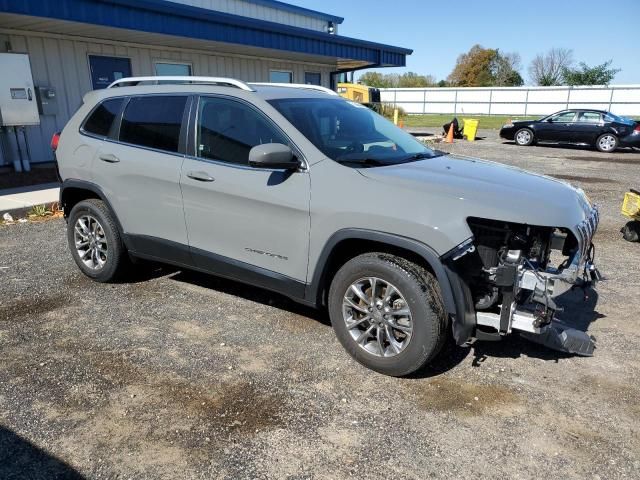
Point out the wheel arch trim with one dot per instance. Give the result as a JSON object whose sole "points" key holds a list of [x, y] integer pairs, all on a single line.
{"points": [[314, 289], [95, 189]]}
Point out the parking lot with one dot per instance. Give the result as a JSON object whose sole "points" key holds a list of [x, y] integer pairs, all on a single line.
{"points": [[179, 375]]}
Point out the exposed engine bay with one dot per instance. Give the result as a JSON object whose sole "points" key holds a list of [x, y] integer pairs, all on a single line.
{"points": [[516, 272]]}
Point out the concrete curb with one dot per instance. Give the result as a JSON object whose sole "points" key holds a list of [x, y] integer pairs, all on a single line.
{"points": [[17, 202]]}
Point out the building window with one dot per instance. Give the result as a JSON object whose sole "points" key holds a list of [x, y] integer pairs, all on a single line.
{"points": [[312, 78], [173, 69], [280, 76], [153, 121]]}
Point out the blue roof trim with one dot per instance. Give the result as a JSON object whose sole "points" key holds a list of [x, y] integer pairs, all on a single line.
{"points": [[160, 16], [295, 9]]}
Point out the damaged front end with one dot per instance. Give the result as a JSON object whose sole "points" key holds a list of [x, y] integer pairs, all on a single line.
{"points": [[514, 274]]}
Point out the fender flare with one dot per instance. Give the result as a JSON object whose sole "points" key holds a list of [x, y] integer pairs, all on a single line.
{"points": [[92, 187], [455, 292]]}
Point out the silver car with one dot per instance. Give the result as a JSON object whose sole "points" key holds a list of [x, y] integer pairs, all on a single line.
{"points": [[296, 190]]}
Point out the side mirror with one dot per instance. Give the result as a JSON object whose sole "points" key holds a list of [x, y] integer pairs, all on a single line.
{"points": [[273, 156], [550, 120]]}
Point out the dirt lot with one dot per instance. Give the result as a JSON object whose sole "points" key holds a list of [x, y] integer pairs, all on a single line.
{"points": [[178, 375]]}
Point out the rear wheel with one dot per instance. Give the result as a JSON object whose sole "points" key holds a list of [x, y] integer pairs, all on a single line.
{"points": [[607, 143], [95, 242], [387, 313], [524, 137]]}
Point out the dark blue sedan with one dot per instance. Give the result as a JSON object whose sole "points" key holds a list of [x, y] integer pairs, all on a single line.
{"points": [[595, 128]]}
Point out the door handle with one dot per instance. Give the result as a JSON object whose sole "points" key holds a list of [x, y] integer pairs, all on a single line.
{"points": [[201, 176], [109, 158]]}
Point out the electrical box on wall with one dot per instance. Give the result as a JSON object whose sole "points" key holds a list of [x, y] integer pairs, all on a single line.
{"points": [[47, 102], [18, 105]]}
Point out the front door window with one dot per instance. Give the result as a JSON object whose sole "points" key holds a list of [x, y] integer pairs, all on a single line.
{"points": [[565, 117], [228, 130]]}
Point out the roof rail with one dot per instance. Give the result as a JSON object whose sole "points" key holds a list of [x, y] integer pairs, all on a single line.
{"points": [[296, 85], [230, 82]]}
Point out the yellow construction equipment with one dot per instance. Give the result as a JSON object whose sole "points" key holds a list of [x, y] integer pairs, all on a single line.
{"points": [[359, 93]]}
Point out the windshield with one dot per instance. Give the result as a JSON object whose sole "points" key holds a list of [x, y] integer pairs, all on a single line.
{"points": [[350, 133]]}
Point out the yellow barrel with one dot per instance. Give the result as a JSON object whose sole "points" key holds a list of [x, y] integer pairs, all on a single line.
{"points": [[470, 129], [631, 205]]}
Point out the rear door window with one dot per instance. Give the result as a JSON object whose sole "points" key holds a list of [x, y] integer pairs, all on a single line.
{"points": [[153, 121], [100, 121], [589, 117]]}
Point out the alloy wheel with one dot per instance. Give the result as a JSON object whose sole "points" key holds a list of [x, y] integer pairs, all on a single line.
{"points": [[377, 317], [523, 137], [607, 143], [90, 242]]}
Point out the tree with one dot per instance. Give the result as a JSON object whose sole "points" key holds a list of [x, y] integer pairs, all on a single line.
{"points": [[486, 67], [585, 75], [473, 69], [547, 69], [413, 80], [505, 68], [394, 80], [375, 79]]}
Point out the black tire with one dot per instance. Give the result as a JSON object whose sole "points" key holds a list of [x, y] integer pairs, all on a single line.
{"points": [[526, 137], [607, 143], [631, 231], [422, 294], [117, 261]]}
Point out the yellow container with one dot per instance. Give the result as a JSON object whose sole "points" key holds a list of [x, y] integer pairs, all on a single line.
{"points": [[470, 129], [631, 205]]}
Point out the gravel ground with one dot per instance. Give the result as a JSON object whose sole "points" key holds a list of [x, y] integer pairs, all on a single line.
{"points": [[178, 375]]}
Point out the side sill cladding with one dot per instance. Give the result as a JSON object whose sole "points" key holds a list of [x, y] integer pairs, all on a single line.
{"points": [[453, 290]]}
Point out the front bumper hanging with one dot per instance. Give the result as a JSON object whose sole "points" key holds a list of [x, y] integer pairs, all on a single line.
{"points": [[536, 320]]}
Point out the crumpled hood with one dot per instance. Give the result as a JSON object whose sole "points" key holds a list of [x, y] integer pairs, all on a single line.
{"points": [[470, 187]]}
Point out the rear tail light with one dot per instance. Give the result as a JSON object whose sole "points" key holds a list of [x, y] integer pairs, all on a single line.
{"points": [[54, 141], [637, 129]]}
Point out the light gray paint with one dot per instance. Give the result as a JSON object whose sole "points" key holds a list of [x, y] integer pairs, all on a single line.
{"points": [[428, 201], [261, 12], [61, 62]]}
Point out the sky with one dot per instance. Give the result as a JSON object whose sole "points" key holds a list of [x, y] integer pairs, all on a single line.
{"points": [[438, 31]]}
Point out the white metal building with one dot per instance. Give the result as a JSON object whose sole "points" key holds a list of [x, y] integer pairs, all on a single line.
{"points": [[74, 46]]}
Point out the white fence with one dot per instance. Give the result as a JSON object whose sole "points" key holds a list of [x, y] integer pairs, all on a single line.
{"points": [[619, 99]]}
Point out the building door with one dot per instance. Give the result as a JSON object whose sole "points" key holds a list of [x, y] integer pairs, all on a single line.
{"points": [[105, 70]]}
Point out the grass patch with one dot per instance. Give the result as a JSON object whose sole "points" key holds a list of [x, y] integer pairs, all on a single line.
{"points": [[437, 120]]}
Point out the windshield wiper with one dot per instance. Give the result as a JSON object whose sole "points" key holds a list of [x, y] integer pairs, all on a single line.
{"points": [[369, 162], [423, 155]]}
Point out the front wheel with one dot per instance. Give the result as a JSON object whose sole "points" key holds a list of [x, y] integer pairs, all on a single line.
{"points": [[524, 137], [387, 313], [607, 143]]}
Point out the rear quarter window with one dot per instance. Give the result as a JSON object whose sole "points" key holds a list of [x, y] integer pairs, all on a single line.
{"points": [[100, 120], [153, 121]]}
